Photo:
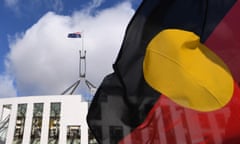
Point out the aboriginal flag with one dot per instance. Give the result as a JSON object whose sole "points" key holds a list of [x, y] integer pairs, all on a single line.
{"points": [[176, 77]]}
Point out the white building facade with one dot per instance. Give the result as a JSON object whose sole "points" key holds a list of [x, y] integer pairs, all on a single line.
{"points": [[59, 119]]}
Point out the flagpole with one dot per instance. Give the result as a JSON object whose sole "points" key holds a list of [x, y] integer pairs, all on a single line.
{"points": [[82, 67], [82, 59]]}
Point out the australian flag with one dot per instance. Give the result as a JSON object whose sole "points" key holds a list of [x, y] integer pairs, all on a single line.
{"points": [[74, 35]]}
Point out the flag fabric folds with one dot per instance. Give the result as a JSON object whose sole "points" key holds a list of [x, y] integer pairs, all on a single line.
{"points": [[74, 35], [176, 77]]}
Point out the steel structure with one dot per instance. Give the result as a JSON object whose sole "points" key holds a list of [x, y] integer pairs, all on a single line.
{"points": [[82, 69]]}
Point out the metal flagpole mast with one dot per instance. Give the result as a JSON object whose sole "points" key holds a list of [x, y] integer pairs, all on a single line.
{"points": [[82, 60], [82, 68]]}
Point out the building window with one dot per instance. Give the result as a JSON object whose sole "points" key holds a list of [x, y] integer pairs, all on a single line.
{"points": [[91, 138], [4, 122], [20, 123], [36, 123], [98, 133], [116, 134], [73, 135], [53, 133]]}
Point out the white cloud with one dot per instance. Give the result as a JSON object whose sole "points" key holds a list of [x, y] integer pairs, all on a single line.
{"points": [[12, 4], [23, 8], [57, 5], [6, 87], [92, 5], [44, 61]]}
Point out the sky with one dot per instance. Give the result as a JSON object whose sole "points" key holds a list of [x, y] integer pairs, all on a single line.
{"points": [[37, 58]]}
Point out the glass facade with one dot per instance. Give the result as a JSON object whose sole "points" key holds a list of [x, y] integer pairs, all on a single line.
{"points": [[4, 122], [74, 135], [98, 132], [48, 120], [20, 123], [91, 138], [53, 132], [36, 123]]}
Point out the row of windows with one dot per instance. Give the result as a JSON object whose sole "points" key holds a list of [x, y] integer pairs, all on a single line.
{"points": [[73, 135], [36, 126]]}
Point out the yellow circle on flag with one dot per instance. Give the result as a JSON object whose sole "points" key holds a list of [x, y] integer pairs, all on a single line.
{"points": [[179, 66]]}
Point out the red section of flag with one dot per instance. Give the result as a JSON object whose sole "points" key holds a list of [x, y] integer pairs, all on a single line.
{"points": [[169, 123], [225, 40]]}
